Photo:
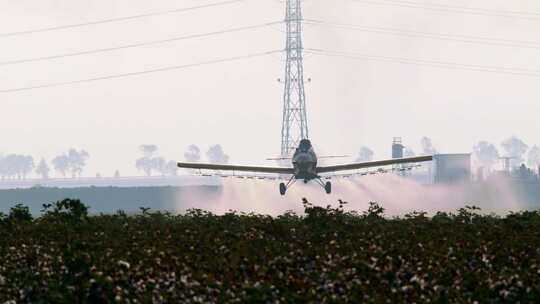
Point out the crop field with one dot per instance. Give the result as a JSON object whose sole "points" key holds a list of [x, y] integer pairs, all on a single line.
{"points": [[326, 255]]}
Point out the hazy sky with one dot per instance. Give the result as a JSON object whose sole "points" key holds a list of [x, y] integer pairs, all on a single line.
{"points": [[239, 104]]}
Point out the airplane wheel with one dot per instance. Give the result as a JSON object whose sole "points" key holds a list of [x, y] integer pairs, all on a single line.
{"points": [[282, 188], [328, 187]]}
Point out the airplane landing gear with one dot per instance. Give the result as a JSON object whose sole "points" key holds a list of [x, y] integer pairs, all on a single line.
{"points": [[282, 188], [328, 187]]}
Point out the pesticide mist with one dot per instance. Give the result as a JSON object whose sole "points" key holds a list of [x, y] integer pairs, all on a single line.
{"points": [[396, 194]]}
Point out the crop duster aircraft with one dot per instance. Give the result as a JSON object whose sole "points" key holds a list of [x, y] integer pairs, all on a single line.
{"points": [[304, 167]]}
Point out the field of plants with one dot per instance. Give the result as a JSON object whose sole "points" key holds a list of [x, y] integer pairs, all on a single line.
{"points": [[326, 255]]}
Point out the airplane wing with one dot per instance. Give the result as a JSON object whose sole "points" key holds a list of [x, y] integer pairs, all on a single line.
{"points": [[275, 170], [371, 164]]}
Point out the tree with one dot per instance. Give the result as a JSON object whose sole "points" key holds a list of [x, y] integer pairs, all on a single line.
{"points": [[8, 167], [193, 154], [43, 169], [533, 159], [166, 168], [159, 164], [486, 153], [74, 162], [148, 150], [171, 168], [427, 146], [3, 167], [116, 174], [514, 148], [147, 163], [25, 165], [61, 164], [144, 164], [365, 154], [16, 166], [216, 155], [77, 161], [150, 163]]}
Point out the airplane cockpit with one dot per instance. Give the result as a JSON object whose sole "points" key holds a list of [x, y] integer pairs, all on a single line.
{"points": [[305, 156], [305, 145]]}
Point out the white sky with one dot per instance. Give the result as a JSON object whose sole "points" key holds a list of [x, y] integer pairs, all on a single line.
{"points": [[239, 104]]}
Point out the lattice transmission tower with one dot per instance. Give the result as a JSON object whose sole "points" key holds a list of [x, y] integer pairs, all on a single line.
{"points": [[294, 126]]}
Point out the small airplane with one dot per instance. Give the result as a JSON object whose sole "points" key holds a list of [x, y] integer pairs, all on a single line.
{"points": [[304, 167]]}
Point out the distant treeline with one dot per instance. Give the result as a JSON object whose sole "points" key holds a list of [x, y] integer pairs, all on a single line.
{"points": [[103, 199]]}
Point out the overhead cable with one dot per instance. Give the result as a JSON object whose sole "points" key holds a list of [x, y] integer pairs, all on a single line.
{"points": [[140, 44], [430, 63], [119, 19], [454, 9], [157, 70], [467, 8], [428, 35]]}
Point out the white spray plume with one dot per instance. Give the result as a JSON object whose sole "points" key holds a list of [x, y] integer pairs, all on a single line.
{"points": [[396, 194]]}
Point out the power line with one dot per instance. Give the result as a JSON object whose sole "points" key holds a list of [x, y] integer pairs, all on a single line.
{"points": [[454, 9], [164, 69], [134, 45], [430, 63], [111, 20], [469, 8], [428, 35]]}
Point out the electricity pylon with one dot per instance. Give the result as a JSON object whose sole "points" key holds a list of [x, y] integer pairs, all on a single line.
{"points": [[294, 126]]}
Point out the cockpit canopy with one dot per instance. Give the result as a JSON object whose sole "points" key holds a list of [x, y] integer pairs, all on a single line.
{"points": [[305, 145]]}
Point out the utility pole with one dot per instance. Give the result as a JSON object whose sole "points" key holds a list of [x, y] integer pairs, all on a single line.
{"points": [[294, 125]]}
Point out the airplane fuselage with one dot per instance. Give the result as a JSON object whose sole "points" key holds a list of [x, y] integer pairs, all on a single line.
{"points": [[304, 162], [305, 165]]}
